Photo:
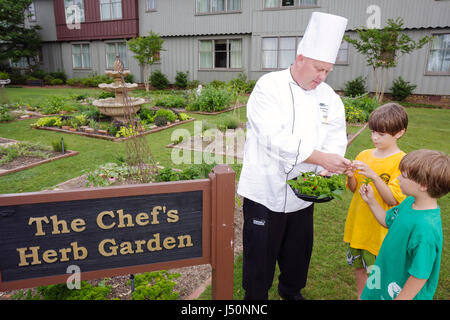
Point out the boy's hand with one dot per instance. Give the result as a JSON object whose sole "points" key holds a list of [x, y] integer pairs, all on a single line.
{"points": [[366, 193], [364, 169], [350, 171]]}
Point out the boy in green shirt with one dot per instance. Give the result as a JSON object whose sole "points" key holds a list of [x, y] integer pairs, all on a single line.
{"points": [[407, 266]]}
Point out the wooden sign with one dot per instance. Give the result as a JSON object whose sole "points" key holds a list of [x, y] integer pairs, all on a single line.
{"points": [[119, 230]]}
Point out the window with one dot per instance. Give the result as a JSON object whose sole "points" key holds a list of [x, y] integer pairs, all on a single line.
{"points": [[220, 54], [342, 56], [110, 9], [21, 64], [289, 3], [151, 5], [81, 56], [279, 52], [439, 56], [112, 50], [213, 6], [74, 10], [31, 12]]}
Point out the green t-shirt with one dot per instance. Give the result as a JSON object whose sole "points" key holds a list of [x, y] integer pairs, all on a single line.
{"points": [[412, 247]]}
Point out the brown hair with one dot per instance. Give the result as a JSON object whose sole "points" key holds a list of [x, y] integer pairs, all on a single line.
{"points": [[389, 118], [428, 168]]}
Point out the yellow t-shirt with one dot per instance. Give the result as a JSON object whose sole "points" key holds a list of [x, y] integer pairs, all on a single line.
{"points": [[362, 230]]}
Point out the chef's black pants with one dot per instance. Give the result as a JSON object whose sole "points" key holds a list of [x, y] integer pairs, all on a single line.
{"points": [[270, 237]]}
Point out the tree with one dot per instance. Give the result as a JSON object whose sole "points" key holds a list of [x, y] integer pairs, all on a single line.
{"points": [[383, 48], [146, 51], [17, 40]]}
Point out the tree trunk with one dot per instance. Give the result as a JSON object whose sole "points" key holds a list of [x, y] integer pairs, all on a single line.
{"points": [[146, 76]]}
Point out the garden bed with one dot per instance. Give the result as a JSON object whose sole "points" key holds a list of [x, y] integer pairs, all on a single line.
{"points": [[105, 136], [24, 162], [202, 112]]}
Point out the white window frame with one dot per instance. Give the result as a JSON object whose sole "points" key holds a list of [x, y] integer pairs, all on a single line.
{"points": [[299, 4], [111, 11], [297, 41], [430, 48], [31, 12], [150, 5], [211, 6], [213, 55], [116, 51], [83, 63], [344, 47]]}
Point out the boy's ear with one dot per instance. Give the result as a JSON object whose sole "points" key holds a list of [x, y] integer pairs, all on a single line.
{"points": [[399, 134]]}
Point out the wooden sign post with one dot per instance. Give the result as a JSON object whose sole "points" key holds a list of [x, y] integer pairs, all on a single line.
{"points": [[119, 230]]}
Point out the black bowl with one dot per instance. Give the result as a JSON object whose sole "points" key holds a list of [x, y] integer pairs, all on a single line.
{"points": [[310, 198]]}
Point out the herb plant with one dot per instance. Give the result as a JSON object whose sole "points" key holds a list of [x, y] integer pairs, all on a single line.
{"points": [[312, 184]]}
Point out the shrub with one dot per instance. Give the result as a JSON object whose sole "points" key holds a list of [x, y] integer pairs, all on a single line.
{"points": [[5, 114], [355, 87], [401, 89], [159, 80], [74, 81], [53, 105], [59, 75], [48, 122], [181, 79], [212, 100], [156, 285], [183, 116], [54, 82], [104, 95], [4, 75], [129, 78], [169, 114], [17, 78], [230, 122], [193, 84], [217, 84], [358, 109], [171, 101], [160, 121], [94, 80], [39, 74]]}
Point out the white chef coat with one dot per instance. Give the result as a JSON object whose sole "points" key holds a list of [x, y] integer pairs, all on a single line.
{"points": [[285, 124]]}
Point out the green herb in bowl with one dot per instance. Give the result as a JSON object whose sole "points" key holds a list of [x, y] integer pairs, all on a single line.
{"points": [[310, 186]]}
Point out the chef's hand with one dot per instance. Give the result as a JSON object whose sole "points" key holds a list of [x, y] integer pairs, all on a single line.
{"points": [[332, 162], [335, 163], [325, 173]]}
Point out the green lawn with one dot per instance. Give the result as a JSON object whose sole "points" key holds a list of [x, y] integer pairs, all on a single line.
{"points": [[329, 276]]}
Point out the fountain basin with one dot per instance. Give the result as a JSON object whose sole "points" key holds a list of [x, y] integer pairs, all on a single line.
{"points": [[117, 109], [113, 87]]}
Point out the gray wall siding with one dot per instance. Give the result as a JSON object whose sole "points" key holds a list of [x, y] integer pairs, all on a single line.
{"points": [[178, 18], [45, 17], [181, 28]]}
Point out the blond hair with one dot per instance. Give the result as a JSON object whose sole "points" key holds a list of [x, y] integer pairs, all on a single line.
{"points": [[430, 169], [389, 118]]}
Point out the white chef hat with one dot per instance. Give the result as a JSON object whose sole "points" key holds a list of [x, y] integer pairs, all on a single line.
{"points": [[323, 37]]}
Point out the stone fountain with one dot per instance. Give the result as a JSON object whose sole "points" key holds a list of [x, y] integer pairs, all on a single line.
{"points": [[117, 107]]}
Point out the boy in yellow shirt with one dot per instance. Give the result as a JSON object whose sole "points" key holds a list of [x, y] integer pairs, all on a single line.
{"points": [[380, 166]]}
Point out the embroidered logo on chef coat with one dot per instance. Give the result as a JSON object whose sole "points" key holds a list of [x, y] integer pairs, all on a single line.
{"points": [[324, 109]]}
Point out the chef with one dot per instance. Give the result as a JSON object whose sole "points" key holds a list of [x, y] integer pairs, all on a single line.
{"points": [[296, 123]]}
